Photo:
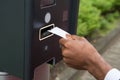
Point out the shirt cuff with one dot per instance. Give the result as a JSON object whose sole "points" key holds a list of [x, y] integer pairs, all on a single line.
{"points": [[113, 74]]}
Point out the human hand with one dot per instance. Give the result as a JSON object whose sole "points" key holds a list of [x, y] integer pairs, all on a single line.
{"points": [[78, 53]]}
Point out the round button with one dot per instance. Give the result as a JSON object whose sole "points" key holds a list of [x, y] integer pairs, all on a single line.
{"points": [[47, 17]]}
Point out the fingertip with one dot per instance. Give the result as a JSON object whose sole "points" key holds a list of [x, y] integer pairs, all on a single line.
{"points": [[68, 36]]}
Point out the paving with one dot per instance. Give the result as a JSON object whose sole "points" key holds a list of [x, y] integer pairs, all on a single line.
{"points": [[111, 54]]}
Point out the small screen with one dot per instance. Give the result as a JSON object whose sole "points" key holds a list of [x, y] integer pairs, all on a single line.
{"points": [[45, 3]]}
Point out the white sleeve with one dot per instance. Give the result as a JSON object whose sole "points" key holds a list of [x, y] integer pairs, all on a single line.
{"points": [[113, 74]]}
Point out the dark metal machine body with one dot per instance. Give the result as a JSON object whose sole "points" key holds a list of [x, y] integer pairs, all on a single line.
{"points": [[25, 43]]}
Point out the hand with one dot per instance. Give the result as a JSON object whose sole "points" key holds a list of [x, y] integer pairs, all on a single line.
{"points": [[80, 54], [77, 52]]}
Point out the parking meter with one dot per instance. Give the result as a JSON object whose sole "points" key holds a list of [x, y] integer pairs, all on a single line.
{"points": [[25, 42]]}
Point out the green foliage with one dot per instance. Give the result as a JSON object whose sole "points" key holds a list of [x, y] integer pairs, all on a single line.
{"points": [[103, 5], [88, 18], [117, 3], [96, 15]]}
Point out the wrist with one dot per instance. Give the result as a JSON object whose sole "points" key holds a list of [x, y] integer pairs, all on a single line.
{"points": [[98, 67]]}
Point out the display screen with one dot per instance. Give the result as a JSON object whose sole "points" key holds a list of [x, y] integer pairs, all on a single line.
{"points": [[45, 3]]}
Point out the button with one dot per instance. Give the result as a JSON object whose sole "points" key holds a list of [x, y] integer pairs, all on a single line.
{"points": [[47, 17]]}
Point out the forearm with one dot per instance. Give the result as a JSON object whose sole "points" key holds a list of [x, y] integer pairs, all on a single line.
{"points": [[99, 68]]}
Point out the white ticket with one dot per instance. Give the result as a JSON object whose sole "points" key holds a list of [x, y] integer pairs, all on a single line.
{"points": [[58, 31]]}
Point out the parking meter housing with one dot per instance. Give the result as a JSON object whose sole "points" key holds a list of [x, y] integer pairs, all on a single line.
{"points": [[25, 42]]}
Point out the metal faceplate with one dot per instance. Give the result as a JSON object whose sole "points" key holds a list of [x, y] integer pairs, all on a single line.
{"points": [[56, 13]]}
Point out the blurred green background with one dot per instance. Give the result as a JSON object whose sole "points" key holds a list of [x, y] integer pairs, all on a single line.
{"points": [[97, 17]]}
